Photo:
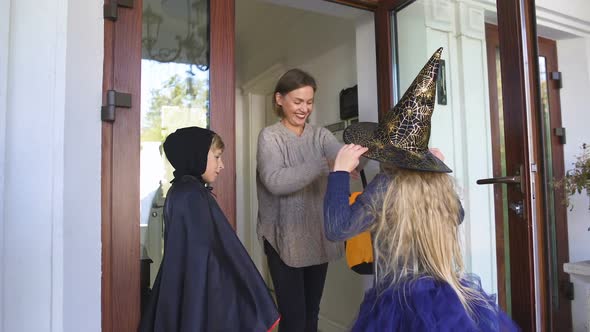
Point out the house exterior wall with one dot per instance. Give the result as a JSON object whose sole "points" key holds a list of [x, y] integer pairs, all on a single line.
{"points": [[51, 56], [50, 94], [462, 126], [4, 38], [574, 63], [569, 21]]}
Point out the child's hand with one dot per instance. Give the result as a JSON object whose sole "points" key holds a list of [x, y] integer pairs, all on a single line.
{"points": [[348, 157], [436, 152]]}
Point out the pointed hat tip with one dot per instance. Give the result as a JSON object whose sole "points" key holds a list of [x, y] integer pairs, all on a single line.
{"points": [[438, 53]]}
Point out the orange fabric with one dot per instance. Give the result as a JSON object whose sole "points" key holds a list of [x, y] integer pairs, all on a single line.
{"points": [[359, 249]]}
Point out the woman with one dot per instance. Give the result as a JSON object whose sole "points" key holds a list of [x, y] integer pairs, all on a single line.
{"points": [[292, 167], [206, 282], [413, 211]]}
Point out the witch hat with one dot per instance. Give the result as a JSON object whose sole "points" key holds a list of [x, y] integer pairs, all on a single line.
{"points": [[402, 137]]}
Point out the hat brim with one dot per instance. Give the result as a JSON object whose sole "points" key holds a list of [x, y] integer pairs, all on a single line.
{"points": [[363, 133]]}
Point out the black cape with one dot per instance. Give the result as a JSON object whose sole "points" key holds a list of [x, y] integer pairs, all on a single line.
{"points": [[207, 281]]}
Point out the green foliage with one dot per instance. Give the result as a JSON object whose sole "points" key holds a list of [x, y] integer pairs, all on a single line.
{"points": [[176, 93], [577, 179]]}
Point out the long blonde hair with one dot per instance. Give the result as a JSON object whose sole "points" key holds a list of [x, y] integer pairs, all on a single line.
{"points": [[416, 234]]}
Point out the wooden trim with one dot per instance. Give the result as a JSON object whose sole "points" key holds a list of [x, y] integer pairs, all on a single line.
{"points": [[120, 189], [125, 243], [492, 43], [394, 5], [560, 315], [360, 4], [223, 99], [106, 180], [383, 45], [514, 48]]}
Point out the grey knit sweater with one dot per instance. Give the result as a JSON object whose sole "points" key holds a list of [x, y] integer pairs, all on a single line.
{"points": [[291, 181]]}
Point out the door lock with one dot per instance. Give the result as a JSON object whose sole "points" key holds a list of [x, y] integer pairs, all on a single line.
{"points": [[517, 207]]}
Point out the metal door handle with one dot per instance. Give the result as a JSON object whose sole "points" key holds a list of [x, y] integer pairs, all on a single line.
{"points": [[503, 179], [514, 179]]}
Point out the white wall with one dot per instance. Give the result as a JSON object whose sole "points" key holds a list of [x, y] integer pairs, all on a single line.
{"points": [[574, 63], [565, 13], [51, 193], [4, 43], [461, 128], [82, 169], [366, 67], [333, 70]]}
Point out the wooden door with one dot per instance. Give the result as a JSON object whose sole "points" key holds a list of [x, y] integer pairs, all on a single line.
{"points": [[126, 44], [547, 146]]}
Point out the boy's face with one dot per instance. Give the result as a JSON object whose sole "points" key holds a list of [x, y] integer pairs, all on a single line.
{"points": [[214, 165]]}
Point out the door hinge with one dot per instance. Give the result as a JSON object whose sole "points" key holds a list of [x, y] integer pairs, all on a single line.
{"points": [[560, 133], [556, 76], [114, 99], [111, 11]]}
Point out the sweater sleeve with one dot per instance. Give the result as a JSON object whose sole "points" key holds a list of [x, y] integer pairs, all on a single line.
{"points": [[343, 221], [331, 145], [277, 177]]}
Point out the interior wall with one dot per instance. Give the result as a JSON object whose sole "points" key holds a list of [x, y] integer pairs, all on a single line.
{"points": [[574, 63], [282, 35], [333, 70], [51, 194], [327, 48]]}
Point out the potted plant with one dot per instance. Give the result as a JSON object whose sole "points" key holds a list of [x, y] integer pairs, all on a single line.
{"points": [[578, 178]]}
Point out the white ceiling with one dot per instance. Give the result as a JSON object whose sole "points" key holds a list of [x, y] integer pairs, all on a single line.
{"points": [[270, 31]]}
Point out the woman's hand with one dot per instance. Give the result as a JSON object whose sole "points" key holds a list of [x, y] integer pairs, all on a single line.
{"points": [[348, 157]]}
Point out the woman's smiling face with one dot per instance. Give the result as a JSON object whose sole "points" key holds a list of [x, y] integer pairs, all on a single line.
{"points": [[297, 105]]}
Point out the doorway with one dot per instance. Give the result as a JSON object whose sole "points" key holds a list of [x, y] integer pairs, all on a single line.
{"points": [[460, 123], [336, 45]]}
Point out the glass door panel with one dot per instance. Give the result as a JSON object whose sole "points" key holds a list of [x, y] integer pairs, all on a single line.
{"points": [[174, 94]]}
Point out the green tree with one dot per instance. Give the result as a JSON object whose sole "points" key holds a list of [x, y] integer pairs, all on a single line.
{"points": [[184, 93]]}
